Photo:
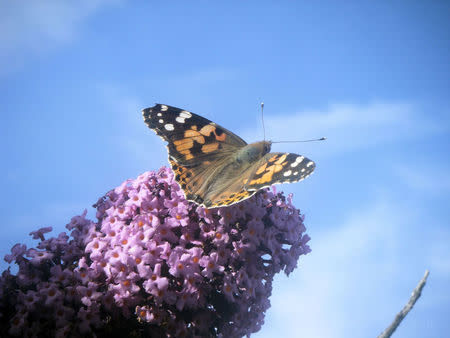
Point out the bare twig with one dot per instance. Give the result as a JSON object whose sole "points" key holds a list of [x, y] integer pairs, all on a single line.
{"points": [[402, 314]]}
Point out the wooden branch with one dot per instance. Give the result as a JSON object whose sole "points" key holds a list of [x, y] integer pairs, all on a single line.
{"points": [[402, 314]]}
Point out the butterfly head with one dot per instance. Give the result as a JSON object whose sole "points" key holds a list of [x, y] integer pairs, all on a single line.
{"points": [[261, 148], [266, 146]]}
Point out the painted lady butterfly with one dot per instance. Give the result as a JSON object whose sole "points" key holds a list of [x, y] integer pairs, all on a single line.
{"points": [[215, 167]]}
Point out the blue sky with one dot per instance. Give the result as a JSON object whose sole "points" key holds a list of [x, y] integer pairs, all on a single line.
{"points": [[371, 76]]}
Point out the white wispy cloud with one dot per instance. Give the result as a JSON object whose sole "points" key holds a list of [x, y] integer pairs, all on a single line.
{"points": [[30, 27], [350, 126], [424, 178]]}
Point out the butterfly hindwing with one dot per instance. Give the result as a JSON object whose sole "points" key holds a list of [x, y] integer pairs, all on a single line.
{"points": [[230, 197], [280, 168], [191, 139], [186, 178], [271, 169], [206, 186]]}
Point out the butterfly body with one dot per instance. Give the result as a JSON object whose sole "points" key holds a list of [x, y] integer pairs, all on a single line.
{"points": [[253, 152], [215, 167]]}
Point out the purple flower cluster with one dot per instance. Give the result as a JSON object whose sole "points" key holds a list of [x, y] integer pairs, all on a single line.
{"points": [[154, 265]]}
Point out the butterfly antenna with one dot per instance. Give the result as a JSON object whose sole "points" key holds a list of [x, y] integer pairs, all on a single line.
{"points": [[313, 140], [262, 118]]}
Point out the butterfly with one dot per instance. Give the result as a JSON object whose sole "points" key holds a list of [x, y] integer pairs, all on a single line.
{"points": [[214, 166]]}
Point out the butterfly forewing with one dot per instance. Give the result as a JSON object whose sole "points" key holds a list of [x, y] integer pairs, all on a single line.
{"points": [[191, 139]]}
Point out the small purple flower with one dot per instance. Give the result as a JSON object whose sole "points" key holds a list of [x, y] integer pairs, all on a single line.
{"points": [[194, 255], [18, 324], [229, 289], [88, 318], [58, 275], [157, 284], [177, 266], [211, 265], [17, 252], [254, 232], [89, 293], [62, 315], [62, 332], [29, 299], [221, 237], [135, 198], [164, 232], [49, 292], [54, 244], [186, 300], [37, 257], [151, 253], [39, 234], [149, 314]]}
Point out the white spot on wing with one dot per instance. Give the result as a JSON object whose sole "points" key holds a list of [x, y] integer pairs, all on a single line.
{"points": [[179, 119], [185, 114], [294, 164], [287, 173], [310, 163], [169, 126], [296, 173], [164, 107], [161, 121], [159, 114]]}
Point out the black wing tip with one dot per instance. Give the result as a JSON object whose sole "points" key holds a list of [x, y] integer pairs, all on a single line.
{"points": [[160, 107], [147, 111], [154, 107]]}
